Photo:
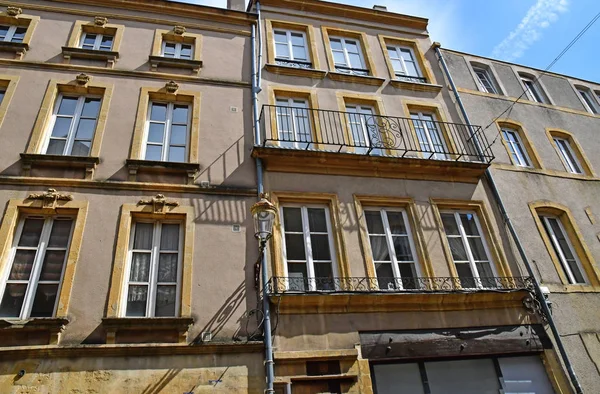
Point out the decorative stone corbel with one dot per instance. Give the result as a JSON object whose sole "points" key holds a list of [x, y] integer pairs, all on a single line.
{"points": [[171, 86], [179, 30], [100, 21], [159, 203], [82, 79], [14, 11], [50, 197]]}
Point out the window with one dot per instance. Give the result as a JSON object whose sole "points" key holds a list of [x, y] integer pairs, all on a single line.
{"points": [[564, 249], [568, 155], [347, 56], [484, 80], [167, 132], [515, 147], [154, 269], [290, 47], [363, 128], [293, 122], [405, 64], [309, 258], [37, 261], [532, 90], [97, 42], [12, 33], [429, 134], [177, 50], [2, 93], [469, 249], [392, 248], [588, 101], [73, 125]]}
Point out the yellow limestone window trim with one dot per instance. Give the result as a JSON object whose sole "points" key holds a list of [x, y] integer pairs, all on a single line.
{"points": [[308, 30], [424, 65], [131, 212], [21, 20], [532, 152], [363, 42], [575, 147], [8, 84], [161, 35], [46, 207]]}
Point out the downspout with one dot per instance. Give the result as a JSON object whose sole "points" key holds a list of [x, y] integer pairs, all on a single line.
{"points": [[256, 65], [515, 236]]}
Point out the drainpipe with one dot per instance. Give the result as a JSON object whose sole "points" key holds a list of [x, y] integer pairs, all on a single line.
{"points": [[256, 65], [513, 233]]}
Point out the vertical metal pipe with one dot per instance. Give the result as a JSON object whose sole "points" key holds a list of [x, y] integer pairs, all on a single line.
{"points": [[515, 236]]}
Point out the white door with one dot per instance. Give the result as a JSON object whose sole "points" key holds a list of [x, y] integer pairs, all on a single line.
{"points": [[430, 136], [363, 129], [293, 123]]}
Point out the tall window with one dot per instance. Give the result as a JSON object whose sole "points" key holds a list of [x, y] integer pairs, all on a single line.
{"points": [[347, 56], [363, 128], [97, 42], [308, 248], [469, 249], [154, 269], [12, 33], [568, 155], [515, 147], [392, 248], [37, 261], [167, 132], [564, 249], [484, 80], [532, 90], [73, 125], [290, 48], [293, 122], [429, 135], [405, 64], [588, 100], [177, 50]]}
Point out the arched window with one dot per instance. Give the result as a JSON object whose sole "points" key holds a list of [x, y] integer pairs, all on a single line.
{"points": [[517, 144], [570, 152]]}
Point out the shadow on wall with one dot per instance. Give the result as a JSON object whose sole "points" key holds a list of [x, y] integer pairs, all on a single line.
{"points": [[225, 165], [220, 210]]}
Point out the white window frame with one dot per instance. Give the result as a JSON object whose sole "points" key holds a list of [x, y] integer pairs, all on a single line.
{"points": [[168, 123], [360, 111], [404, 72], [485, 73], [464, 238], [70, 139], [523, 159], [570, 160], [288, 35], [294, 105], [152, 283], [560, 252], [533, 92], [345, 53], [310, 268], [177, 49], [438, 129], [12, 29], [36, 269], [390, 245], [588, 102], [97, 42]]}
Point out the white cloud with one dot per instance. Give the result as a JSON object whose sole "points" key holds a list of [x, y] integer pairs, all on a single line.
{"points": [[538, 17]]}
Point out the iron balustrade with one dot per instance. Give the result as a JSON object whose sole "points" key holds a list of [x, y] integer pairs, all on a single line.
{"points": [[295, 127], [408, 78], [279, 285], [363, 72], [293, 63]]}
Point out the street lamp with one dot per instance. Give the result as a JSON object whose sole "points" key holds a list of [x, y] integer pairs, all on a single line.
{"points": [[264, 213]]}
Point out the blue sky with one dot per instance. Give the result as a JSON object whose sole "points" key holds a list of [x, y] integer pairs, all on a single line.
{"points": [[529, 32]]}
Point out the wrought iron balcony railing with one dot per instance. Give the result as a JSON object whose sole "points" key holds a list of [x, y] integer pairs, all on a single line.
{"points": [[408, 78], [299, 128], [293, 63], [279, 285]]}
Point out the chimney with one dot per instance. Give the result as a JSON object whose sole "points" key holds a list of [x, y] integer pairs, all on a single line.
{"points": [[236, 5], [379, 7]]}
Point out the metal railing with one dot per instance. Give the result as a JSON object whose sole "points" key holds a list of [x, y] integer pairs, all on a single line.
{"points": [[408, 78], [278, 284], [299, 128], [293, 63]]}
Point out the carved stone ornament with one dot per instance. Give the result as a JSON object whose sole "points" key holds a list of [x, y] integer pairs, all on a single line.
{"points": [[13, 11], [171, 86], [159, 202], [82, 79], [100, 20], [50, 197], [179, 30]]}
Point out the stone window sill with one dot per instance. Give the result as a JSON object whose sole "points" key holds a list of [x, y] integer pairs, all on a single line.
{"points": [[296, 71], [155, 327], [361, 79], [18, 48], [53, 325], [415, 86], [109, 56], [156, 61], [165, 167], [36, 159]]}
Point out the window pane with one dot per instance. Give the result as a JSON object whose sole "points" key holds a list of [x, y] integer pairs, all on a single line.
{"points": [[89, 39], [458, 249], [297, 39], [56, 147], [294, 247], [477, 249], [158, 112], [140, 267], [81, 148], [280, 37], [180, 114], [297, 276], [396, 222], [463, 376], [339, 58], [355, 61], [14, 294], [106, 42], [3, 31], [169, 239], [61, 127], [379, 248], [292, 219], [408, 271], [154, 152], [336, 44], [67, 106], [32, 231], [143, 236], [177, 154], [316, 220], [524, 375], [136, 301], [165, 301], [156, 132], [484, 269], [402, 249], [466, 275], [469, 224], [53, 265], [320, 247], [169, 50], [22, 264], [282, 50], [351, 46], [374, 222], [59, 236], [45, 298], [323, 270], [385, 276], [85, 129], [19, 34], [450, 224], [186, 52], [91, 106], [167, 267], [178, 135], [299, 53], [398, 378]]}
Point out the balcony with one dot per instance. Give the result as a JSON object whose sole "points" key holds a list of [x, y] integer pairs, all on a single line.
{"points": [[299, 139], [365, 294]]}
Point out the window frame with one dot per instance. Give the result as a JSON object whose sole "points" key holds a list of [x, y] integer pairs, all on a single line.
{"points": [[533, 90], [40, 253], [98, 41], [567, 155], [292, 116], [398, 48], [365, 56], [560, 252], [12, 29], [486, 74], [153, 283], [168, 124], [178, 48], [288, 34], [587, 98], [439, 128], [348, 66], [523, 159]]}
